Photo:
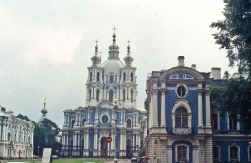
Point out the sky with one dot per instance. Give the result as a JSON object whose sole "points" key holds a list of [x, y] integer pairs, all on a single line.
{"points": [[46, 46]]}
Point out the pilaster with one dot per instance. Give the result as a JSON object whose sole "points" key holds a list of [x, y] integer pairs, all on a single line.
{"points": [[200, 113]]}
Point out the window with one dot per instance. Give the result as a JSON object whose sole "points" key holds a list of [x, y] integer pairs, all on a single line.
{"points": [[90, 94], [214, 121], [104, 119], [131, 76], [181, 91], [234, 155], [182, 153], [72, 123], [124, 95], [8, 136], [232, 124], [111, 95], [131, 96], [124, 77], [111, 79], [90, 76], [129, 123], [181, 119], [216, 154], [98, 74], [97, 94]]}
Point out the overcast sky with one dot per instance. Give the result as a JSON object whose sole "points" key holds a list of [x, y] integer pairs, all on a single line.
{"points": [[46, 46]]}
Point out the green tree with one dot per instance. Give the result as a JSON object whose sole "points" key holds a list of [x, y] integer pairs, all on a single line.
{"points": [[142, 151], [234, 33]]}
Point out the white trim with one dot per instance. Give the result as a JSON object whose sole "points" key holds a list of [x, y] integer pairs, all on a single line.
{"points": [[219, 152], [249, 153], [186, 90], [176, 152], [234, 145]]}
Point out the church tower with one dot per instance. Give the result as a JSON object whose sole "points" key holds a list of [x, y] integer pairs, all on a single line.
{"points": [[110, 110]]}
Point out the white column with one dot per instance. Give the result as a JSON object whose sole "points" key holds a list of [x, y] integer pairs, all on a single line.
{"points": [[155, 108], [200, 112], [208, 115], [95, 143], [163, 108]]}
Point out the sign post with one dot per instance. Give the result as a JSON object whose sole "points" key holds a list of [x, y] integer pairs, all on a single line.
{"points": [[46, 155]]}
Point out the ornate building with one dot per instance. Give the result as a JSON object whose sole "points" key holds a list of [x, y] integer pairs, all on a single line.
{"points": [[184, 125], [16, 136], [110, 111]]}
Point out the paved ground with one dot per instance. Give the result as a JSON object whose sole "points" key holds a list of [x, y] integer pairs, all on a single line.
{"points": [[120, 161]]}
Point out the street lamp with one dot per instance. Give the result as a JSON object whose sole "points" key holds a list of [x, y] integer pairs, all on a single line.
{"points": [[115, 118]]}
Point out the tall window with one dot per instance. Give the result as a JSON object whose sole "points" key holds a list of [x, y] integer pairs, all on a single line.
{"points": [[111, 95], [124, 95], [181, 119], [129, 123], [216, 153], [181, 91], [214, 121], [97, 94], [90, 76], [232, 124], [124, 77], [111, 79], [98, 74], [182, 153], [234, 155], [8, 136], [131, 96], [131, 76], [90, 94]]}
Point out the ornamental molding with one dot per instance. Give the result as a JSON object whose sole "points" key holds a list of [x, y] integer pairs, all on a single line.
{"points": [[182, 130], [106, 104], [182, 137]]}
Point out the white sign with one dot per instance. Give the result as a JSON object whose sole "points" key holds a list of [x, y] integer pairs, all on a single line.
{"points": [[46, 155]]}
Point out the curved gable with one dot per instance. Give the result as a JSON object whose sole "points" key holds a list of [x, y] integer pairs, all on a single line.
{"points": [[184, 73]]}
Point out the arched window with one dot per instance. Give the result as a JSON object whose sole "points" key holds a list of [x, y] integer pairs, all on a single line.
{"points": [[83, 122], [97, 94], [214, 121], [72, 123], [98, 74], [90, 94], [91, 76], [124, 95], [111, 95], [131, 96], [111, 79], [181, 91], [8, 136], [181, 119], [129, 123], [131, 76], [124, 77]]}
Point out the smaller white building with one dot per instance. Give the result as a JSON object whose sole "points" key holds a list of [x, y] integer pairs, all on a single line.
{"points": [[16, 136]]}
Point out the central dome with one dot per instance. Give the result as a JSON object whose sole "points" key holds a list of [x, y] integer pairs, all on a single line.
{"points": [[112, 66]]}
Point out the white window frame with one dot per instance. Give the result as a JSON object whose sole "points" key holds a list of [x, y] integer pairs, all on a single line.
{"points": [[234, 145], [176, 152], [219, 152], [176, 90], [184, 104], [237, 125], [249, 153]]}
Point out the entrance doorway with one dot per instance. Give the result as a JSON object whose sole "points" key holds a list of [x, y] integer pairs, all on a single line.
{"points": [[103, 147], [129, 153]]}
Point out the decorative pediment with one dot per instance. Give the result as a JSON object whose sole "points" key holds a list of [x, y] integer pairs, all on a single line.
{"points": [[184, 73], [106, 104]]}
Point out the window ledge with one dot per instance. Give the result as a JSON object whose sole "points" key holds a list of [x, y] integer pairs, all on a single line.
{"points": [[182, 130]]}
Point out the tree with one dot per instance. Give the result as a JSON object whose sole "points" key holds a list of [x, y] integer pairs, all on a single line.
{"points": [[234, 33], [233, 98], [45, 135]]}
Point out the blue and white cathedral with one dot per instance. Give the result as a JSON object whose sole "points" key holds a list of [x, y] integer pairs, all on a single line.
{"points": [[184, 123], [110, 111]]}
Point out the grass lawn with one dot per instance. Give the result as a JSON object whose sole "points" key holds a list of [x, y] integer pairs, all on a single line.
{"points": [[62, 160]]}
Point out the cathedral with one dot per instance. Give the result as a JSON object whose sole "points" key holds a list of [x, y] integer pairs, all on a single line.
{"points": [[184, 123], [110, 111]]}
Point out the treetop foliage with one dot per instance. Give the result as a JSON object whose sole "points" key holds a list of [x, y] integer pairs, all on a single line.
{"points": [[234, 33]]}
